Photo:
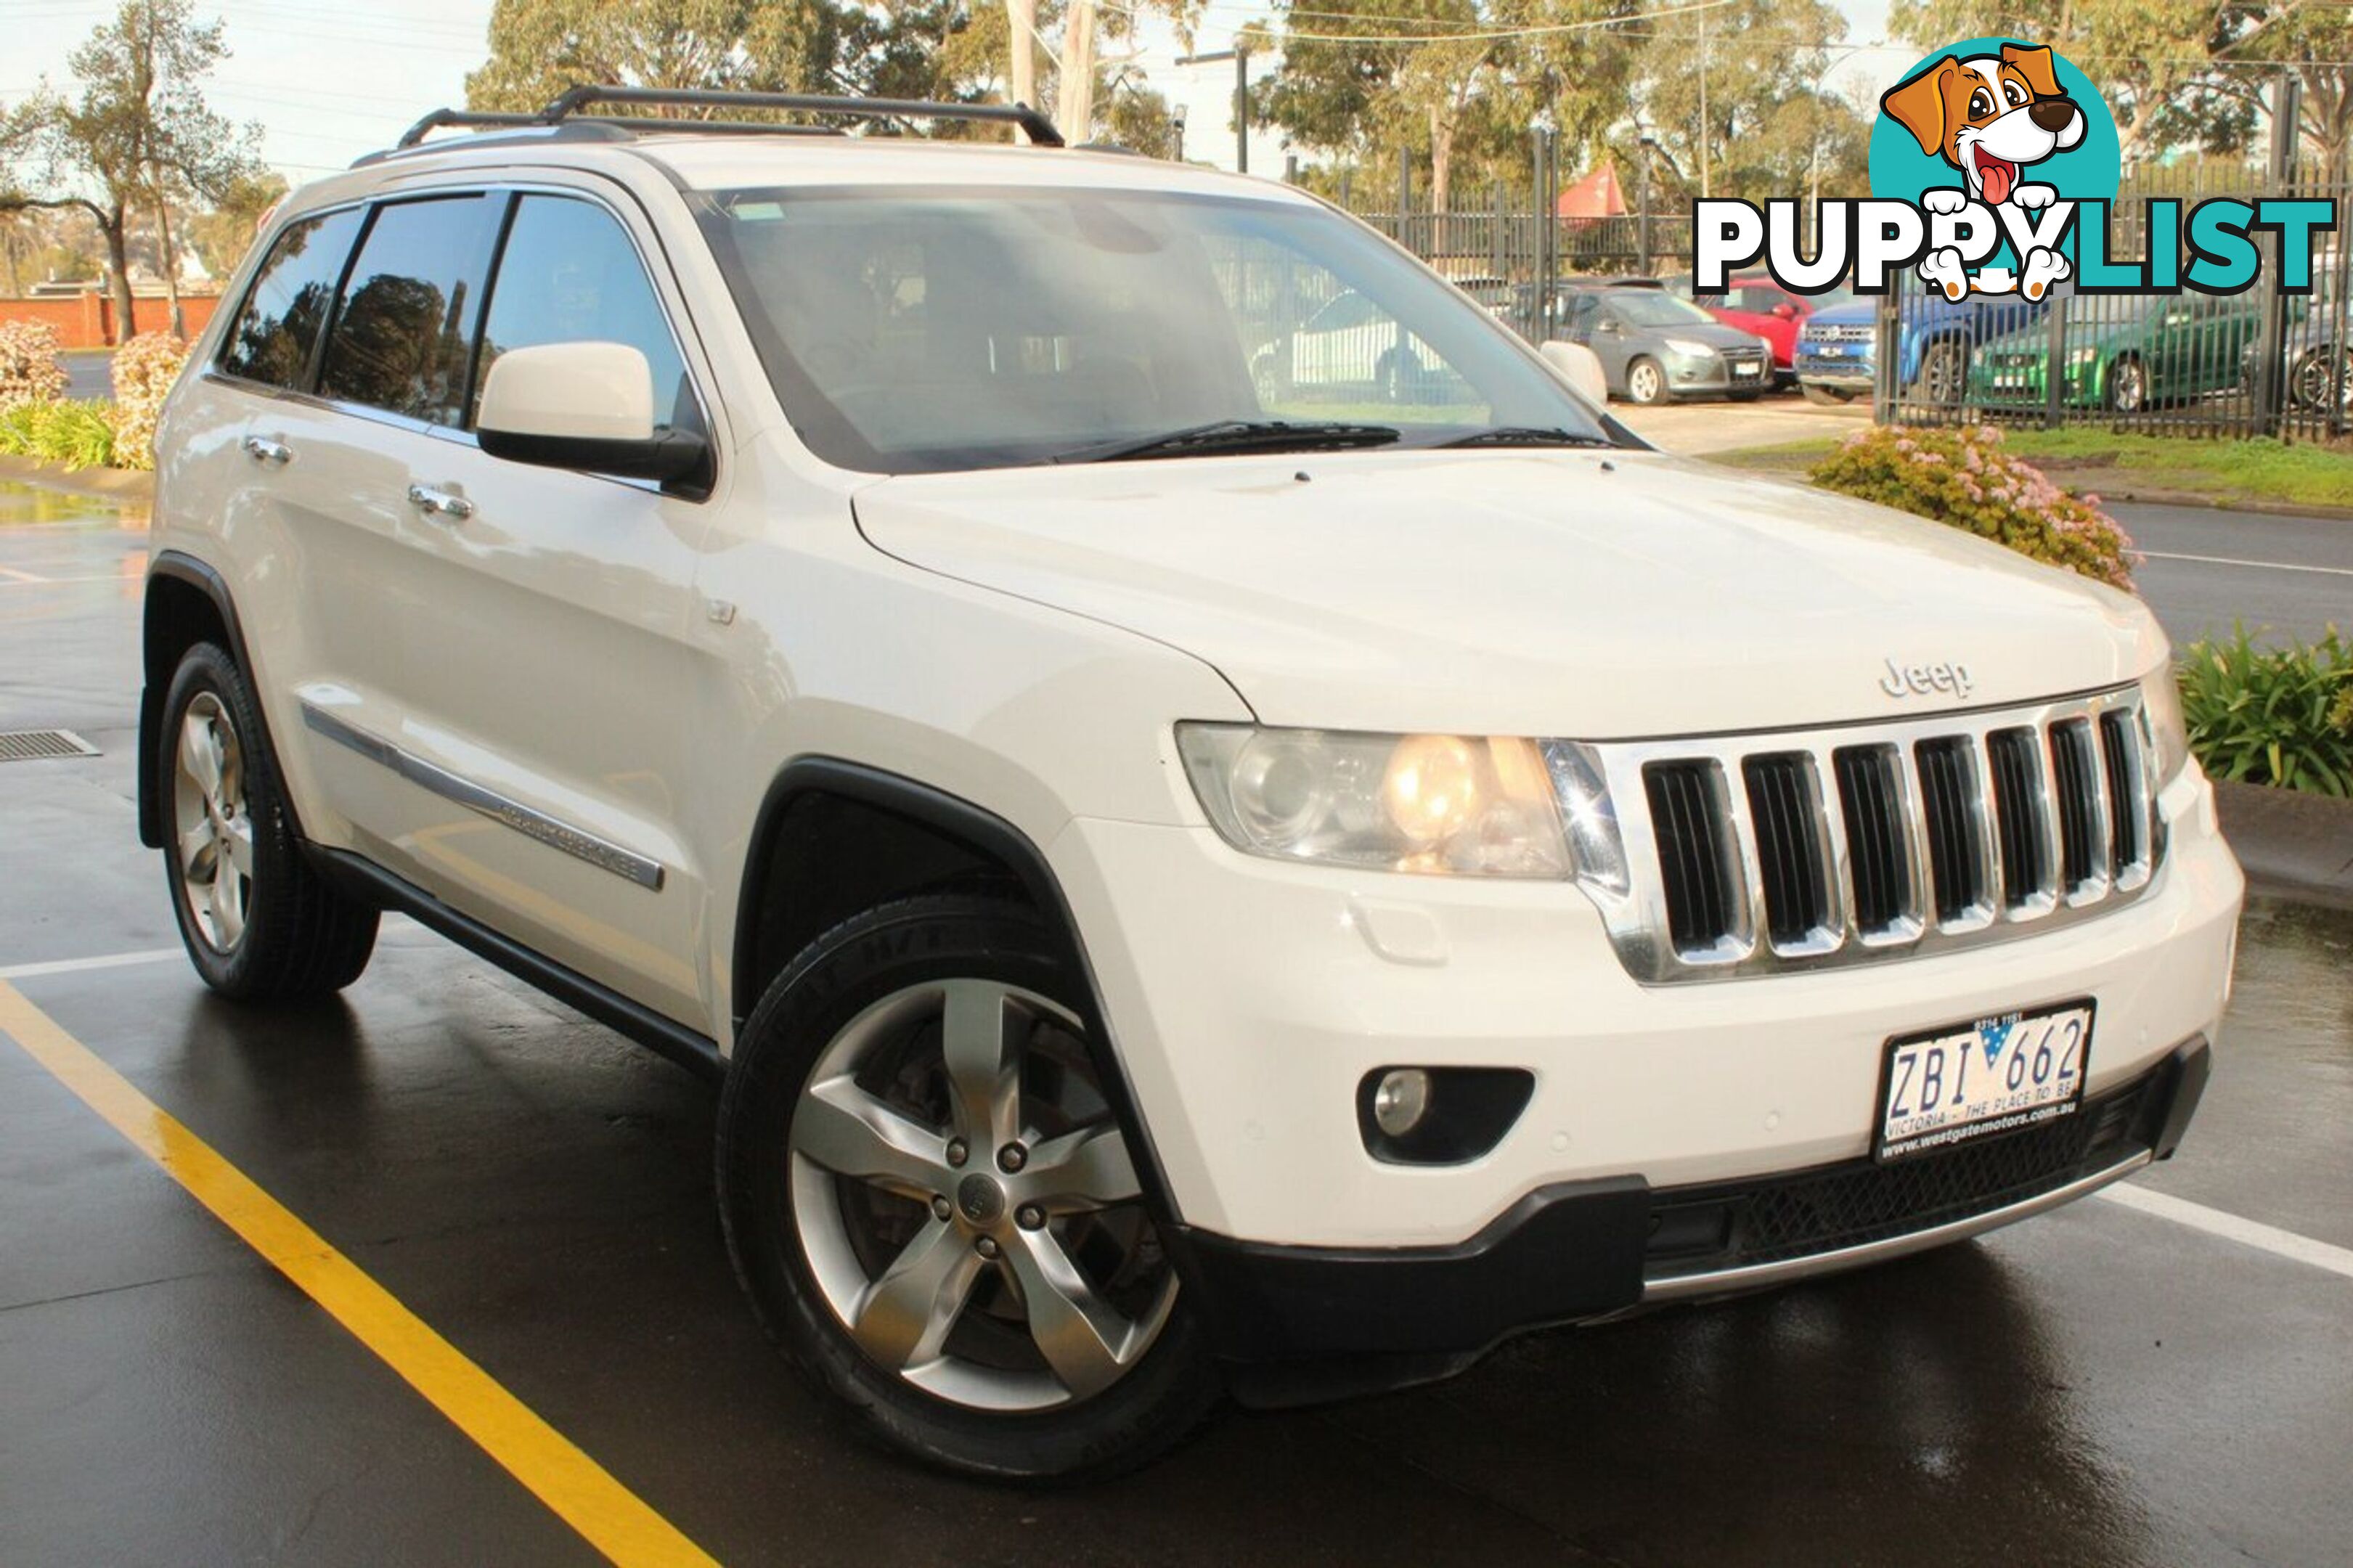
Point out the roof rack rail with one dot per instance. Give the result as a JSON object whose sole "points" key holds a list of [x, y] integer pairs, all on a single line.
{"points": [[566, 109]]}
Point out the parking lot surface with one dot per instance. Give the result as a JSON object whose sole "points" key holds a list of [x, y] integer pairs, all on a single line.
{"points": [[2163, 1377]]}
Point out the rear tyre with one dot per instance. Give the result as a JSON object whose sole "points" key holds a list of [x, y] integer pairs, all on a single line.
{"points": [[1646, 383], [2320, 380], [259, 924], [2127, 387], [1825, 397], [933, 1208], [1941, 371]]}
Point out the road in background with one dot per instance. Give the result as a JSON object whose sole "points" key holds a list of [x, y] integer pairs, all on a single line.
{"points": [[89, 373], [2282, 576]]}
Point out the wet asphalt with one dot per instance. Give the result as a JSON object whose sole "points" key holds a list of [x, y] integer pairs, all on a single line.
{"points": [[2097, 1387]]}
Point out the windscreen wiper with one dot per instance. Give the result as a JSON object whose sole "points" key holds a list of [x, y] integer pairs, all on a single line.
{"points": [[1236, 436], [1527, 436]]}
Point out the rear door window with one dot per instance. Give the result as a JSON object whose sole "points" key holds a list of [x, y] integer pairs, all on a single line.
{"points": [[403, 337], [291, 294]]}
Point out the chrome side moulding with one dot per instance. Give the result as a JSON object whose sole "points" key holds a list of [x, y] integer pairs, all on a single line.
{"points": [[557, 834]]}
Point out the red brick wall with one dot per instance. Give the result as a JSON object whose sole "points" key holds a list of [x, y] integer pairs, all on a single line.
{"points": [[87, 322]]}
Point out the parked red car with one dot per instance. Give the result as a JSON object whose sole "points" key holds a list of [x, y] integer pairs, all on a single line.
{"points": [[1755, 303]]}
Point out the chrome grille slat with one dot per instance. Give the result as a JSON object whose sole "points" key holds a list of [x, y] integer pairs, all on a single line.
{"points": [[2015, 764], [1785, 850]]}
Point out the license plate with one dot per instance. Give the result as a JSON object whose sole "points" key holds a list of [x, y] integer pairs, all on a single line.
{"points": [[1832, 351], [1968, 1082], [1744, 370]]}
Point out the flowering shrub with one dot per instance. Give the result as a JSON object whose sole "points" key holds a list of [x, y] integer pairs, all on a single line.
{"points": [[144, 369], [1961, 476], [30, 370]]}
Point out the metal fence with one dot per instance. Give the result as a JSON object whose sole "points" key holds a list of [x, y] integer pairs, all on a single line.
{"points": [[2258, 364]]}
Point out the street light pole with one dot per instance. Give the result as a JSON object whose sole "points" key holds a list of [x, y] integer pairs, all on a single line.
{"points": [[1240, 57]]}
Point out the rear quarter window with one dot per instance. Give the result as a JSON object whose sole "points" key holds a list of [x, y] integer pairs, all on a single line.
{"points": [[275, 332]]}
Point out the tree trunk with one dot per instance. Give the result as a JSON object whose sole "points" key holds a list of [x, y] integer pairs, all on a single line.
{"points": [[1442, 160], [1022, 80], [1076, 112], [171, 266], [113, 224]]}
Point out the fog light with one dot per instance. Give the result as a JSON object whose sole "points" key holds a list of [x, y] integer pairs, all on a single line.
{"points": [[1401, 1101]]}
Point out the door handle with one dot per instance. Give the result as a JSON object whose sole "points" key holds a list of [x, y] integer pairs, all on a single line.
{"points": [[262, 449], [440, 503]]}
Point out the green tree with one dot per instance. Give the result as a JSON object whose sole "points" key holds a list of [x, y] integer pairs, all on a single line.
{"points": [[221, 235], [2159, 63], [136, 132], [911, 48], [1736, 100], [1446, 82]]}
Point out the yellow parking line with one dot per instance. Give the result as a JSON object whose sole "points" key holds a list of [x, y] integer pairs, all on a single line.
{"points": [[612, 1518]]}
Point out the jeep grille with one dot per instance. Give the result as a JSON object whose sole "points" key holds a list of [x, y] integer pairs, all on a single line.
{"points": [[1766, 853]]}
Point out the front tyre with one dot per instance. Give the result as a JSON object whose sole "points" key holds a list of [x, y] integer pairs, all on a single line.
{"points": [[259, 924], [1646, 383], [930, 1203]]}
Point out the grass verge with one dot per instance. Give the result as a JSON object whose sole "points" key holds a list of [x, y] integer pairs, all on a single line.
{"points": [[2107, 463]]}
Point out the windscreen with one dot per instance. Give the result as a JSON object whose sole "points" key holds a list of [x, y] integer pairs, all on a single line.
{"points": [[1657, 308], [916, 329]]}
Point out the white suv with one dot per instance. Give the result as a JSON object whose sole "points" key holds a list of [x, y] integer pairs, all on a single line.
{"points": [[1188, 881]]}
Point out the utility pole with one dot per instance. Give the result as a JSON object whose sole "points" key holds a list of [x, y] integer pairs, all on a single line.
{"points": [[1076, 111], [1706, 132], [2271, 330], [1022, 16]]}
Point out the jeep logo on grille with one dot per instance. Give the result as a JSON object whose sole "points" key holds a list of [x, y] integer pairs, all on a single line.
{"points": [[1920, 680]]}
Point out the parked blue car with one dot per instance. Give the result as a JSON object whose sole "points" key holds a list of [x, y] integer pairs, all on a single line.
{"points": [[1837, 349]]}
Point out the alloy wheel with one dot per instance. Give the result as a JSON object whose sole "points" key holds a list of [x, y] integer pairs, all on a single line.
{"points": [[1941, 375], [2131, 387], [213, 822], [1644, 382], [966, 1204]]}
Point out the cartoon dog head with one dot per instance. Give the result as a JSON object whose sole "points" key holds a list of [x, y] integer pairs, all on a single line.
{"points": [[1988, 116]]}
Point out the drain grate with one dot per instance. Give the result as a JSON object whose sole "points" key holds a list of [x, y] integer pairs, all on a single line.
{"points": [[24, 745]]}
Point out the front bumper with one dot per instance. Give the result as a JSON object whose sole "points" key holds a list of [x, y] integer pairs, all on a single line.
{"points": [[1299, 1323], [1715, 375], [1247, 999]]}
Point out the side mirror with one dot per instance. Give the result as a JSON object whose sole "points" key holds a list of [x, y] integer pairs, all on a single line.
{"points": [[1580, 367], [585, 405], [1786, 311]]}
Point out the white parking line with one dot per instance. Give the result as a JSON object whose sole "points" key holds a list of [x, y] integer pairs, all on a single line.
{"points": [[75, 965], [2231, 1228], [2264, 565]]}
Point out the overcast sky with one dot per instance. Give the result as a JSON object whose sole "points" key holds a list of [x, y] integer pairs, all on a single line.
{"points": [[330, 82]]}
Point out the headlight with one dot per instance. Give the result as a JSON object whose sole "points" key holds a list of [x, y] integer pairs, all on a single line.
{"points": [[2161, 700], [1686, 347], [1442, 803], [2082, 355]]}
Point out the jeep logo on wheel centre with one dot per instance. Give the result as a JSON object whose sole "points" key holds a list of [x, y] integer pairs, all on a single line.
{"points": [[1920, 680]]}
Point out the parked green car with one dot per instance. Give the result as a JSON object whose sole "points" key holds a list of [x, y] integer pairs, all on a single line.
{"points": [[2123, 351]]}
